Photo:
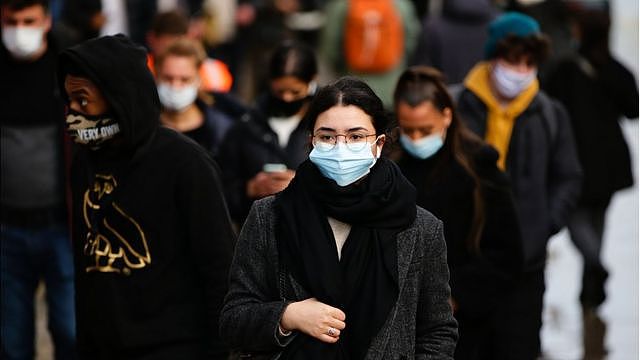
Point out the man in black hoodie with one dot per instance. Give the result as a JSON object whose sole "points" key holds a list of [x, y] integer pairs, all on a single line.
{"points": [[151, 232]]}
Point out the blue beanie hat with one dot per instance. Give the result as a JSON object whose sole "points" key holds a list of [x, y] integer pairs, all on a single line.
{"points": [[510, 23]]}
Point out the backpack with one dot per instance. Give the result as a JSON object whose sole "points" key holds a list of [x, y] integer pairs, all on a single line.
{"points": [[373, 36]]}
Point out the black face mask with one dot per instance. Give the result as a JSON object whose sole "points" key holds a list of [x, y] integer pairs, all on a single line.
{"points": [[280, 108], [91, 130]]}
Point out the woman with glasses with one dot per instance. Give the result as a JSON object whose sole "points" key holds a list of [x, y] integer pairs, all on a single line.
{"points": [[457, 179], [341, 264]]}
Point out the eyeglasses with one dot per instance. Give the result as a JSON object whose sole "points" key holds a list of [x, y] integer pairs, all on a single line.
{"points": [[354, 141]]}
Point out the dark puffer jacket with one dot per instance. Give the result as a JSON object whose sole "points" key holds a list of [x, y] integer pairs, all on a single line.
{"points": [[542, 166]]}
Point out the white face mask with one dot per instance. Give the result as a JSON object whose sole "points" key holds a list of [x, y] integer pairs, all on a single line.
{"points": [[510, 83], [22, 41], [177, 99]]}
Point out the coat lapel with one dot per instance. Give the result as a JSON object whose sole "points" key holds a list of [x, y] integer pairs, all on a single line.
{"points": [[406, 245]]}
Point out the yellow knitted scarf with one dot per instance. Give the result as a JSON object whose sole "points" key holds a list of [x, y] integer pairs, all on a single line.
{"points": [[500, 118]]}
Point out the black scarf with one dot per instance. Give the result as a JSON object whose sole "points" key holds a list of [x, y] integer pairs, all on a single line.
{"points": [[364, 282]]}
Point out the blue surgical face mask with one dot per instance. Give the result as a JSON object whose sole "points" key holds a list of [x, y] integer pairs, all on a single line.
{"points": [[342, 164], [424, 147]]}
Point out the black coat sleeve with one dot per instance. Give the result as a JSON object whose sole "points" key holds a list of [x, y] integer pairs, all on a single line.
{"points": [[253, 308], [621, 85], [436, 328]]}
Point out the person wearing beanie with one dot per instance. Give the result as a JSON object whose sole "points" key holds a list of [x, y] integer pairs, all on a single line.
{"points": [[501, 102], [151, 233]]}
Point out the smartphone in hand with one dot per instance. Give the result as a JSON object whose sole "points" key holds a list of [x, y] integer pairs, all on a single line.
{"points": [[274, 168]]}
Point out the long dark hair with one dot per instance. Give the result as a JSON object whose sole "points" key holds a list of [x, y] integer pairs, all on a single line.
{"points": [[293, 59], [420, 84], [346, 91]]}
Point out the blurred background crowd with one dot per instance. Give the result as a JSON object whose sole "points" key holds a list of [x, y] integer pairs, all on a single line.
{"points": [[236, 76]]}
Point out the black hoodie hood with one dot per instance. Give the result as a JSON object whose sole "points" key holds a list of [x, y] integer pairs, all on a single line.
{"points": [[118, 67]]}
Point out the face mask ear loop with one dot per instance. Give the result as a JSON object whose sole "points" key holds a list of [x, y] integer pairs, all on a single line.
{"points": [[378, 147], [312, 88]]}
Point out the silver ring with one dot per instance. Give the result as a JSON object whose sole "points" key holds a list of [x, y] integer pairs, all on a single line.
{"points": [[331, 332]]}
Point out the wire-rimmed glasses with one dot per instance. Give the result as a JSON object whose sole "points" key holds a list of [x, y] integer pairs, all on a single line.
{"points": [[355, 141]]}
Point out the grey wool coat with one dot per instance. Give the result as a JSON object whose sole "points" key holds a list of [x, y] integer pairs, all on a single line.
{"points": [[420, 325]]}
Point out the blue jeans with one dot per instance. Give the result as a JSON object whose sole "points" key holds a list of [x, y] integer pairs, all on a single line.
{"points": [[29, 256]]}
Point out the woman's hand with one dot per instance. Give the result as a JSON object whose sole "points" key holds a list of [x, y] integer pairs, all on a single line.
{"points": [[268, 183], [314, 318]]}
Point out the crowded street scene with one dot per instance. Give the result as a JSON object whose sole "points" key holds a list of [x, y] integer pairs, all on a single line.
{"points": [[319, 179]]}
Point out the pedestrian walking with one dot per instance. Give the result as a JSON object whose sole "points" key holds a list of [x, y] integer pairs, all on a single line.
{"points": [[35, 244], [458, 180], [502, 103], [261, 152], [341, 264], [151, 232], [597, 91]]}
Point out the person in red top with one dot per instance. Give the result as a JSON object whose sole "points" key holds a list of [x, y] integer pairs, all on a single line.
{"points": [[171, 26]]}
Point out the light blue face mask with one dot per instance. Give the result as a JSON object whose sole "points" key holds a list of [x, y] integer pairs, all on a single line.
{"points": [[424, 147], [510, 83], [341, 164]]}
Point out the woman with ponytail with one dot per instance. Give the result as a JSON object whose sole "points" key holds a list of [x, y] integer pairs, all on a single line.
{"points": [[457, 179]]}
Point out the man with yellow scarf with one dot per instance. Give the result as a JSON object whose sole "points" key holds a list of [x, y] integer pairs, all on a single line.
{"points": [[501, 101]]}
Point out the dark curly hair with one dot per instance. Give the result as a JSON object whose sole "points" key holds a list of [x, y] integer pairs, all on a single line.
{"points": [[513, 48]]}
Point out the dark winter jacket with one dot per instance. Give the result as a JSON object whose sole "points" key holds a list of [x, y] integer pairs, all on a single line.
{"points": [[420, 325], [596, 97], [213, 130], [250, 144], [32, 179], [152, 237], [454, 41], [479, 278], [542, 166]]}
